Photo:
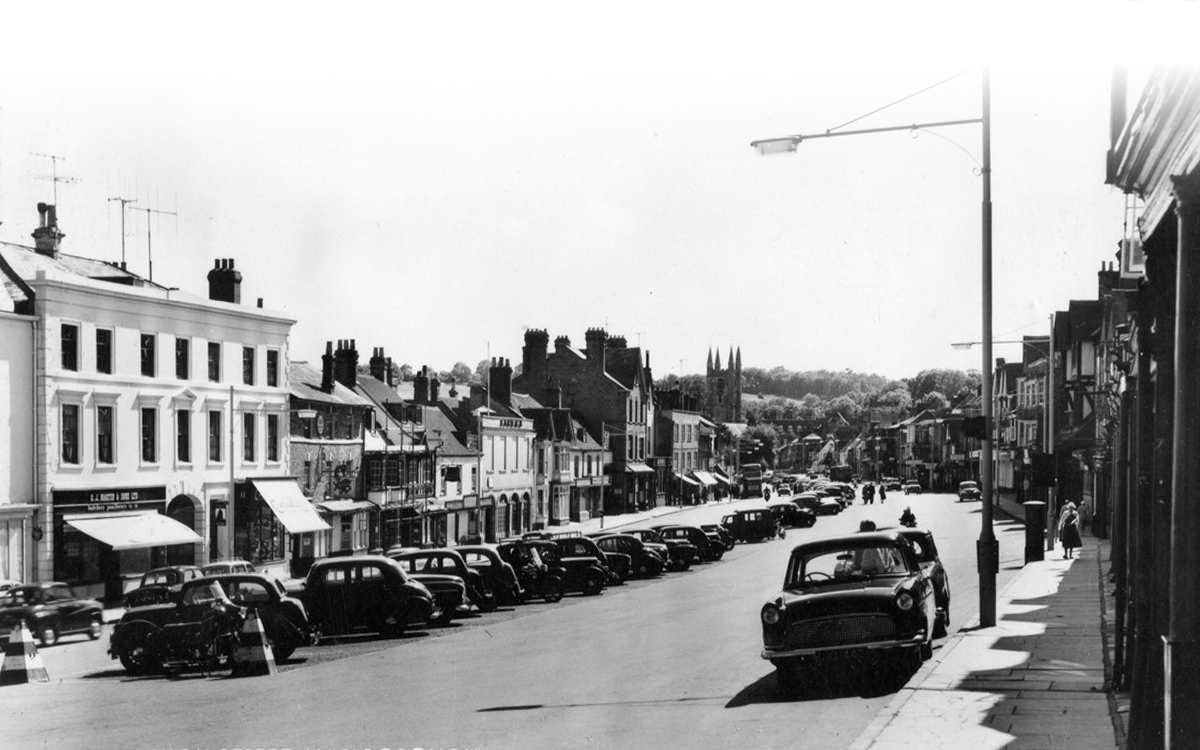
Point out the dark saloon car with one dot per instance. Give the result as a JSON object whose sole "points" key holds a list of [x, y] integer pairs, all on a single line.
{"points": [[707, 550], [646, 562], [751, 524], [819, 504], [789, 515], [448, 588], [849, 596], [678, 553], [496, 573], [968, 490], [912, 488], [161, 585], [198, 629], [49, 610], [449, 562], [580, 567], [617, 565], [346, 595], [931, 565]]}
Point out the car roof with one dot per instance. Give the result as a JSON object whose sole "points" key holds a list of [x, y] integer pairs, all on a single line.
{"points": [[859, 539]]}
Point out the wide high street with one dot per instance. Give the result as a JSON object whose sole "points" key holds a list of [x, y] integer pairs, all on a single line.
{"points": [[667, 662]]}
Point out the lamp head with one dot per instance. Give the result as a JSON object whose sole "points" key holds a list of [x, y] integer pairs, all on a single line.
{"points": [[776, 145]]}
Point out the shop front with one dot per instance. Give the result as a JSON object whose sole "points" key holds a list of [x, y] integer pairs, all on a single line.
{"points": [[274, 524], [351, 522], [105, 539]]}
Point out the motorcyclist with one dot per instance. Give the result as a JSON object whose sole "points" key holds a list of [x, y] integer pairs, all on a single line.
{"points": [[907, 518]]}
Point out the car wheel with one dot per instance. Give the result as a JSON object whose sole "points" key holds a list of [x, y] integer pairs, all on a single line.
{"points": [[48, 634], [134, 648], [95, 628], [391, 626], [926, 651], [485, 597], [593, 585], [285, 645]]}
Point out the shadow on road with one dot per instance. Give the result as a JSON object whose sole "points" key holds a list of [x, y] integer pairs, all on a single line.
{"points": [[864, 680]]}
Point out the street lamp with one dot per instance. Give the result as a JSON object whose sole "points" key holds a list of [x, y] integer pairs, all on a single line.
{"points": [[988, 558]]}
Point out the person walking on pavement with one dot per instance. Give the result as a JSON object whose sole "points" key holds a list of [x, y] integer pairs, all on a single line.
{"points": [[1068, 531], [883, 493]]}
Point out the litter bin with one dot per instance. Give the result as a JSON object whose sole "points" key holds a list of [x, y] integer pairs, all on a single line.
{"points": [[1035, 531]]}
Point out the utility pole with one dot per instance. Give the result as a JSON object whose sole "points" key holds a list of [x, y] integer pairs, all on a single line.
{"points": [[124, 202], [54, 178], [149, 247]]}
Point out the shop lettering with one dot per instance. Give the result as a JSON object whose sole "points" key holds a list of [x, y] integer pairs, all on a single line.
{"points": [[110, 506], [513, 423], [128, 496]]}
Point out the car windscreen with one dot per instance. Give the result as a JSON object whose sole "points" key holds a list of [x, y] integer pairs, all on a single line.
{"points": [[837, 565]]}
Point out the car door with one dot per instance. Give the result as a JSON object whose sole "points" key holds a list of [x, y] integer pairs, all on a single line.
{"points": [[65, 606], [329, 595]]}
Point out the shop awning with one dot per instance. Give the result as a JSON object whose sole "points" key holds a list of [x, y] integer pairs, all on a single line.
{"points": [[637, 467], [706, 479], [289, 505], [345, 506], [133, 530], [687, 480]]}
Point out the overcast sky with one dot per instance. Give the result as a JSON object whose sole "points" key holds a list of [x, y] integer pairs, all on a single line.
{"points": [[434, 178]]}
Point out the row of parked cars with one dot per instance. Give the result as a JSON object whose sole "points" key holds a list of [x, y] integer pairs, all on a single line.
{"points": [[187, 618]]}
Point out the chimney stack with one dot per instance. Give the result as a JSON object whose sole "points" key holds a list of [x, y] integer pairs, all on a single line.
{"points": [[345, 363], [379, 366], [595, 338], [500, 381], [46, 237], [225, 283], [533, 357], [327, 368], [421, 386]]}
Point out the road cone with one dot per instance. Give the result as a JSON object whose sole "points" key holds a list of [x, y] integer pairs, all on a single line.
{"points": [[254, 656], [22, 662]]}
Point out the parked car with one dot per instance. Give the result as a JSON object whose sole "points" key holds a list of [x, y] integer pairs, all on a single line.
{"points": [[912, 487], [227, 566], [495, 571], [707, 550], [345, 595], [784, 490], [448, 588], [541, 571], [6, 584], [751, 524], [582, 568], [646, 561], [722, 533], [851, 596], [616, 565], [161, 585], [446, 561], [821, 505], [679, 552], [891, 483], [790, 515], [969, 490], [931, 566], [50, 610], [200, 629]]}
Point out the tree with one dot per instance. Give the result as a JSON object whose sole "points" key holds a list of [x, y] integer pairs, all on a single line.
{"points": [[481, 371], [934, 401], [402, 372], [461, 373]]}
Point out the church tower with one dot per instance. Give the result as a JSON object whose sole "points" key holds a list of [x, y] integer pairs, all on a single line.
{"points": [[723, 400]]}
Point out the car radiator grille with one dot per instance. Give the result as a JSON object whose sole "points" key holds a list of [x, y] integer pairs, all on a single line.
{"points": [[841, 631]]}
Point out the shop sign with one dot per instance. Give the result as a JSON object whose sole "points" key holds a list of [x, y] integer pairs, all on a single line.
{"points": [[109, 500]]}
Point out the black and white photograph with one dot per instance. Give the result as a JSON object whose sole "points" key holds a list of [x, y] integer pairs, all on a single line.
{"points": [[479, 375]]}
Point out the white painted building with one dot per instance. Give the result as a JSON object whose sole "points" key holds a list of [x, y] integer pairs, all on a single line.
{"points": [[17, 506], [153, 407]]}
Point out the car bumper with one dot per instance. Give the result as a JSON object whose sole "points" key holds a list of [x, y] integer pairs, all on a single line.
{"points": [[914, 641]]}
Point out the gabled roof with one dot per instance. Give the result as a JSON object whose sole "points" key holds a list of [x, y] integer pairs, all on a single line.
{"points": [[377, 391], [625, 365], [304, 383], [438, 426]]}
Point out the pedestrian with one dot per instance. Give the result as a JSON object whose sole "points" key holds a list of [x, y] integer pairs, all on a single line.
{"points": [[1085, 518], [1068, 531], [883, 493]]}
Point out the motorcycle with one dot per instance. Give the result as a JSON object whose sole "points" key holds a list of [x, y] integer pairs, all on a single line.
{"points": [[908, 519], [199, 632]]}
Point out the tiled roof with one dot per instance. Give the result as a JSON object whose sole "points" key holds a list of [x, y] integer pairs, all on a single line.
{"points": [[304, 382], [26, 262]]}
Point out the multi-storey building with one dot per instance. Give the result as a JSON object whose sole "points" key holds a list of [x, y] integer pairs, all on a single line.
{"points": [[155, 409], [18, 510], [570, 463]]}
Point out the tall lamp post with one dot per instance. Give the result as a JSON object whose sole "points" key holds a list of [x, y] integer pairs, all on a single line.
{"points": [[987, 552]]}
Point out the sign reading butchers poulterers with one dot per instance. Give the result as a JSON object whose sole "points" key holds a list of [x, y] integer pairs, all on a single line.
{"points": [[105, 500]]}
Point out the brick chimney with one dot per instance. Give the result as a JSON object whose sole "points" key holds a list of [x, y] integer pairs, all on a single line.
{"points": [[500, 381], [561, 344], [46, 237], [595, 338], [617, 342], [379, 366], [327, 368], [421, 386], [224, 283], [345, 363], [533, 356]]}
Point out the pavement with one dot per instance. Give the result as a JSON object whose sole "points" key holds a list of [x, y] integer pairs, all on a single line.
{"points": [[1036, 680]]}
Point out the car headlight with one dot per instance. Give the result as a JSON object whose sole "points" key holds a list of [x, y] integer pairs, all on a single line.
{"points": [[771, 614], [904, 601]]}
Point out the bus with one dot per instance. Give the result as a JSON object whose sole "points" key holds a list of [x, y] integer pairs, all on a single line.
{"points": [[841, 473], [752, 480]]}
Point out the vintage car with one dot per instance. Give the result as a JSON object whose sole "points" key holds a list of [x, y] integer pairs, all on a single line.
{"points": [[161, 585], [539, 568], [199, 629], [752, 524], [931, 566], [789, 515], [580, 565], [486, 561], [707, 550], [347, 595], [446, 561], [449, 588], [617, 565], [912, 487], [678, 553], [50, 610], [819, 504], [228, 566], [845, 597], [720, 533], [137, 638], [969, 490], [646, 562]]}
